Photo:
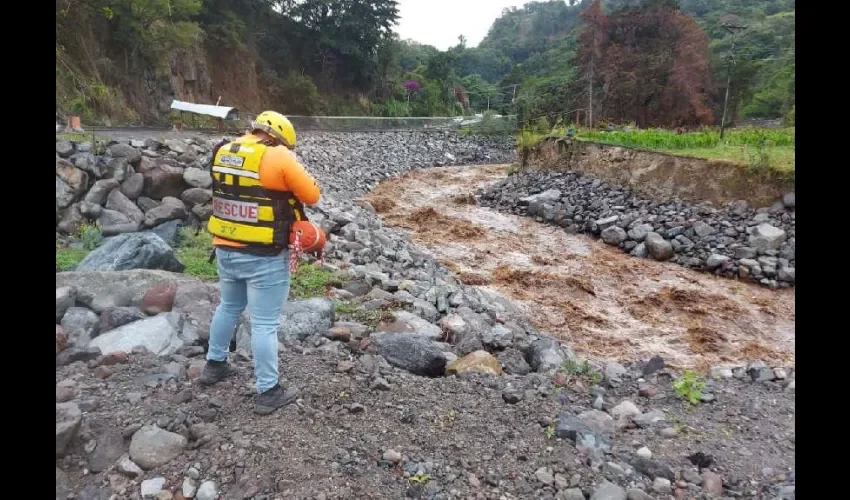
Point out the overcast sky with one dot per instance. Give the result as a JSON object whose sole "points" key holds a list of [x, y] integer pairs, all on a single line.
{"points": [[440, 22]]}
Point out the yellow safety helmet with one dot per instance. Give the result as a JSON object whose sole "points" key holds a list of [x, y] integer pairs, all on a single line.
{"points": [[277, 125]]}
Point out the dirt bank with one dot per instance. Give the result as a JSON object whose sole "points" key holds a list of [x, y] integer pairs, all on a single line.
{"points": [[661, 176], [608, 305]]}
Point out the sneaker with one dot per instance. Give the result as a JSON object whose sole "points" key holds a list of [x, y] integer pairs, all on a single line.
{"points": [[274, 398], [215, 371]]}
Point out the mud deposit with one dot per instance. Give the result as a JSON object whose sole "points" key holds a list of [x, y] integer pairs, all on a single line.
{"points": [[606, 304]]}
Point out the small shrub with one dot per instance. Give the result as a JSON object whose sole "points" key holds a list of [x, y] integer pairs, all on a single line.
{"points": [[689, 387], [363, 316], [759, 157], [549, 431], [90, 235]]}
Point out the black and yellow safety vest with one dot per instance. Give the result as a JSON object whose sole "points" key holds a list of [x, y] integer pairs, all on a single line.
{"points": [[243, 210]]}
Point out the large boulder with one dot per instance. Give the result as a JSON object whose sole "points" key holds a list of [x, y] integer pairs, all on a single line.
{"points": [[159, 334], [406, 322], [198, 178], [132, 251], [766, 237], [657, 247], [120, 203], [71, 183], [546, 353], [133, 185], [169, 209], [300, 319], [100, 190], [412, 353], [163, 180]]}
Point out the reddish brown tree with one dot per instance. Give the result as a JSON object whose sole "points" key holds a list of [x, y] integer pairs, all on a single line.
{"points": [[650, 63]]}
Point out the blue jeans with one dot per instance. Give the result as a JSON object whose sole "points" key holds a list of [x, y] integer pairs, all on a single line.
{"points": [[262, 284]]}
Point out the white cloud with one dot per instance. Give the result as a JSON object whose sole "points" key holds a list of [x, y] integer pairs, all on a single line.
{"points": [[440, 22]]}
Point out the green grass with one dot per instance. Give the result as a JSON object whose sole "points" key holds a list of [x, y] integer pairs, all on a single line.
{"points": [[193, 250], [68, 257], [312, 281], [88, 235], [363, 316], [771, 149]]}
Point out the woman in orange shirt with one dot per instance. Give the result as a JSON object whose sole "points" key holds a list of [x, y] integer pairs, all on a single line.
{"points": [[259, 190]]}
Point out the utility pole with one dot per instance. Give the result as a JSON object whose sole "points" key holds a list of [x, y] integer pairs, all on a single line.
{"points": [[732, 24]]}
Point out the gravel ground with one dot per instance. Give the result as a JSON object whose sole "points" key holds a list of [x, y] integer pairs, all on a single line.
{"points": [[344, 440]]}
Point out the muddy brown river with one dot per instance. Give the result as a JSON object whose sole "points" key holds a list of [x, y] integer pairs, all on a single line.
{"points": [[606, 304]]}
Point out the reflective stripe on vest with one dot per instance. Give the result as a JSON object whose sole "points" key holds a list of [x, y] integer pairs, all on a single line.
{"points": [[243, 210]]}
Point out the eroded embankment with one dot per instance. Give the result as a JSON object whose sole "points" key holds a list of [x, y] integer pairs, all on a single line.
{"points": [[660, 176], [607, 304]]}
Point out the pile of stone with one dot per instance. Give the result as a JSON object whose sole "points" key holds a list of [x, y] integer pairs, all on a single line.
{"points": [[735, 241]]}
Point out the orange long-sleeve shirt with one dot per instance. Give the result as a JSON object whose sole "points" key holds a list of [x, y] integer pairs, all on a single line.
{"points": [[280, 171]]}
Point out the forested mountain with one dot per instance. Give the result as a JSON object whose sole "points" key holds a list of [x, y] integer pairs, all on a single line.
{"points": [[654, 62]]}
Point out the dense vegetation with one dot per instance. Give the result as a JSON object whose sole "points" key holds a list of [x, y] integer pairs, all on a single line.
{"points": [[651, 62]]}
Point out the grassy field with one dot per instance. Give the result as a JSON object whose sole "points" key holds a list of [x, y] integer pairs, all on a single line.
{"points": [[771, 149], [760, 149]]}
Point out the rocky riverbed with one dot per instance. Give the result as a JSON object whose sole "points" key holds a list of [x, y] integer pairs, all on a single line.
{"points": [[735, 241], [414, 382]]}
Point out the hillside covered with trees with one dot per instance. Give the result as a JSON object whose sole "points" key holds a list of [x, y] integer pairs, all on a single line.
{"points": [[651, 62]]}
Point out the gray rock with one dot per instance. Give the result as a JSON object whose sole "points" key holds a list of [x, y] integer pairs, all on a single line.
{"points": [[128, 467], [614, 235], [158, 334], [169, 231], [118, 169], [637, 494], [65, 298], [571, 494], [614, 373], [789, 200], [80, 324], [112, 219], [497, 337], [649, 418], [131, 251], [605, 223], [90, 210], [68, 421], [652, 468], [196, 196], [169, 209], [119, 316], [766, 237], [163, 180], [131, 154], [133, 185], [71, 183], [546, 353], [110, 447], [579, 433], [198, 178], [64, 149], [599, 421], [303, 318], [151, 447], [640, 251], [207, 491], [150, 488], [177, 145], [120, 203], [100, 191], [548, 196], [414, 354], [639, 232], [715, 260], [608, 491], [657, 247], [513, 362], [111, 295], [701, 229], [405, 322]]}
